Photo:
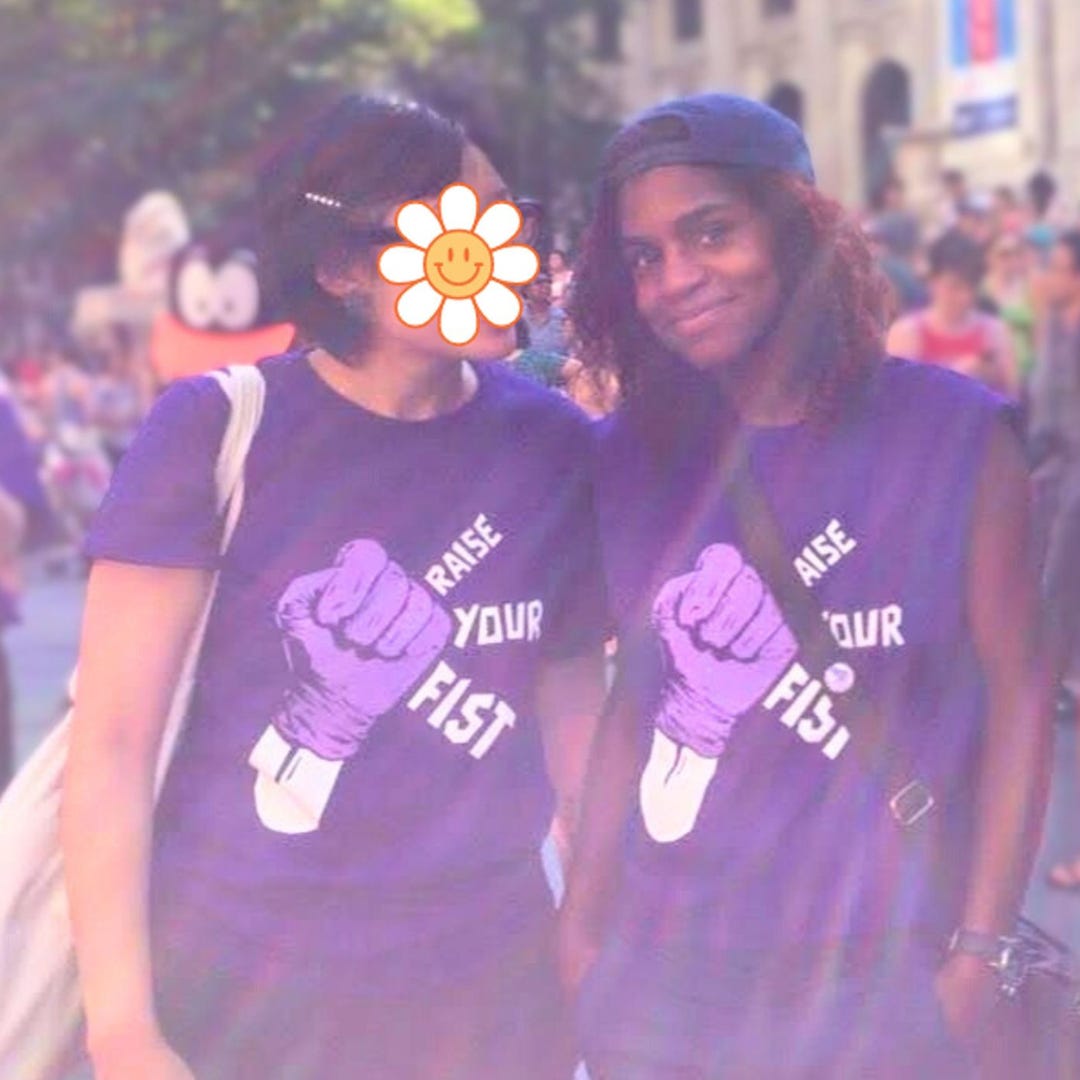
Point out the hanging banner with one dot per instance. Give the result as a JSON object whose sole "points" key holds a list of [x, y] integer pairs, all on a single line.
{"points": [[983, 70]]}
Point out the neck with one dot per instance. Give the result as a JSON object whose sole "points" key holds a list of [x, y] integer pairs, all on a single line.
{"points": [[399, 386], [764, 387], [1071, 312]]}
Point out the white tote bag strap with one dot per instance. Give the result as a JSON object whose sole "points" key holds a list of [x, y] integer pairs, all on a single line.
{"points": [[246, 390]]}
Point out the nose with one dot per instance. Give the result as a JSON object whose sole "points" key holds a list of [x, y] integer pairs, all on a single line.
{"points": [[683, 273]]}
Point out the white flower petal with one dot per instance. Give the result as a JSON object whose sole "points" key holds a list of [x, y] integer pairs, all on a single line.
{"points": [[417, 222], [516, 264], [457, 207], [498, 304], [417, 305], [401, 265], [499, 223], [458, 322]]}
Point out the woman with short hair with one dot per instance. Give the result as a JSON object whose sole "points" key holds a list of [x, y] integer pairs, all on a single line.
{"points": [[342, 878]]}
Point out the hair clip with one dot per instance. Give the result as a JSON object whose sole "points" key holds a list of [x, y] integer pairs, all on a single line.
{"points": [[323, 200]]}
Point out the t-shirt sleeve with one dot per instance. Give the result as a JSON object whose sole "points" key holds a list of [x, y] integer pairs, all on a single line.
{"points": [[161, 507], [578, 618]]}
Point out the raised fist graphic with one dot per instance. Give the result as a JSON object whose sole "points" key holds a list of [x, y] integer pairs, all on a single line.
{"points": [[358, 635], [725, 643]]}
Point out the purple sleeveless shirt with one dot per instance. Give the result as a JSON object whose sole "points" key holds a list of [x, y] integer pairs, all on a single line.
{"points": [[747, 834]]}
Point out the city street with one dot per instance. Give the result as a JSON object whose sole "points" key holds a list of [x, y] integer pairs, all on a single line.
{"points": [[43, 650]]}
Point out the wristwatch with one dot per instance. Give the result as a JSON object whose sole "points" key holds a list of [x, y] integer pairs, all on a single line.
{"points": [[1002, 955]]}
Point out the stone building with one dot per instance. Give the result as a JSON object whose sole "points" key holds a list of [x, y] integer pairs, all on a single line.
{"points": [[875, 83]]}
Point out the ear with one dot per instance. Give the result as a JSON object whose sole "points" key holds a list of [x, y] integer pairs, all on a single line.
{"points": [[341, 277]]}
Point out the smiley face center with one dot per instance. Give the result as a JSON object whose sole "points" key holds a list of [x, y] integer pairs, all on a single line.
{"points": [[458, 264]]}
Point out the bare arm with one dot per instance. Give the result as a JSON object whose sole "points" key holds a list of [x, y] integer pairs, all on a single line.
{"points": [[569, 699], [1004, 609], [1015, 766], [137, 625]]}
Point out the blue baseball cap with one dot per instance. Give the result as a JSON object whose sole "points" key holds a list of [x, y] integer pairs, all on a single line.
{"points": [[708, 129]]}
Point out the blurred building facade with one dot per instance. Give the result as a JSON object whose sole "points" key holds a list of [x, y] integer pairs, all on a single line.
{"points": [[875, 83]]}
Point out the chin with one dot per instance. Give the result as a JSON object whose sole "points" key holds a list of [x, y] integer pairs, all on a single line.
{"points": [[492, 343], [708, 355]]}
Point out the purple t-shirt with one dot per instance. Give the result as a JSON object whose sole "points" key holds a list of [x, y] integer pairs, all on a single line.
{"points": [[389, 595], [747, 832]]}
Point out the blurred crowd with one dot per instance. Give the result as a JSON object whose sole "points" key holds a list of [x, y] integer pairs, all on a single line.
{"points": [[78, 409], [988, 284]]}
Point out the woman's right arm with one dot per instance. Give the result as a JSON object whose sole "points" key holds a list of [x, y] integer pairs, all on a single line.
{"points": [[137, 626]]}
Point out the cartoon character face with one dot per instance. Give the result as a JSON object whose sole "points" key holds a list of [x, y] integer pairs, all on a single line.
{"points": [[458, 264], [218, 313], [223, 297]]}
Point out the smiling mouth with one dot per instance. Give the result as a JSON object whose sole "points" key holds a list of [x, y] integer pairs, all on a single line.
{"points": [[459, 284], [698, 318]]}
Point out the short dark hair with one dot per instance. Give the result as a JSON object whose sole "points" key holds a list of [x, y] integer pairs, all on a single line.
{"points": [[361, 157], [1041, 189], [955, 253], [880, 193], [1070, 239]]}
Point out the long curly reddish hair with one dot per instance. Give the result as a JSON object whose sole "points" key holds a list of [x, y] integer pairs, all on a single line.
{"points": [[837, 303]]}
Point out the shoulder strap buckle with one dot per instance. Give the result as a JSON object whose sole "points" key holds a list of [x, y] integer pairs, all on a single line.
{"points": [[911, 803]]}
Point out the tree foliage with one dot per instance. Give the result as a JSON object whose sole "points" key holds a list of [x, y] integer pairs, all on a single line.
{"points": [[104, 99]]}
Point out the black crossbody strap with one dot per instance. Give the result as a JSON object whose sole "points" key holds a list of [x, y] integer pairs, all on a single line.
{"points": [[910, 800]]}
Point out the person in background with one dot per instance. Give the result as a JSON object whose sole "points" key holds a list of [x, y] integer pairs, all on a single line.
{"points": [[593, 391], [907, 288], [1008, 213], [75, 468], [25, 520], [547, 333], [120, 395], [61, 398], [951, 331], [975, 220], [1054, 426], [1044, 221], [562, 274], [893, 222], [1008, 285], [954, 194], [893, 234], [32, 356]]}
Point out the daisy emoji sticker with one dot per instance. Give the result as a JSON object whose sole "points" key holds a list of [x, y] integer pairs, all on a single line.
{"points": [[458, 267]]}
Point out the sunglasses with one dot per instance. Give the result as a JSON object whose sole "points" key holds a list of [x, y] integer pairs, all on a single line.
{"points": [[379, 236]]}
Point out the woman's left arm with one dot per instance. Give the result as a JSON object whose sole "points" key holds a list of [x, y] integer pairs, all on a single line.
{"points": [[1003, 601]]}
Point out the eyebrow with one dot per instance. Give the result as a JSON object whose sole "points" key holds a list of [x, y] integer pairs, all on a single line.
{"points": [[688, 220]]}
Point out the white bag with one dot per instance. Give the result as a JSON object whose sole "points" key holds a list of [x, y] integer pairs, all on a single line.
{"points": [[40, 1008]]}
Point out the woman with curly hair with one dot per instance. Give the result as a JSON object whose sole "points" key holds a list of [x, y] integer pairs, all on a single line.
{"points": [[752, 895]]}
